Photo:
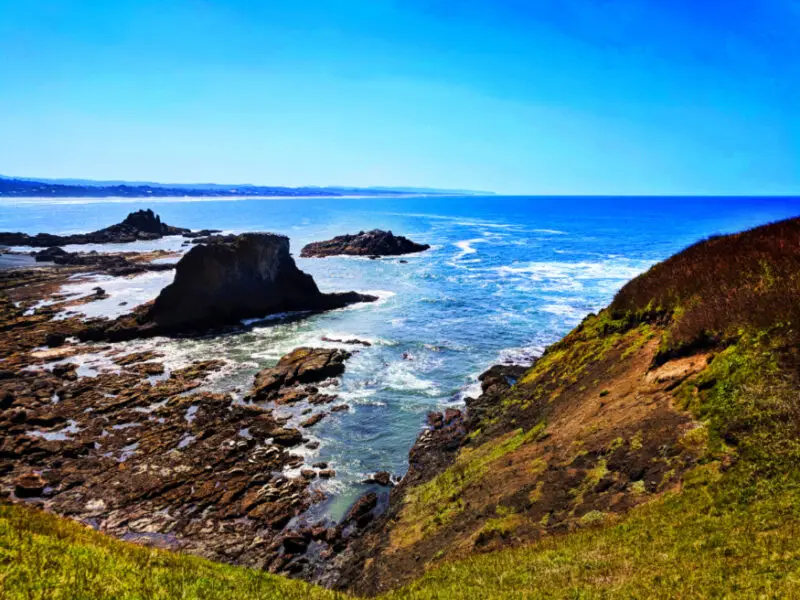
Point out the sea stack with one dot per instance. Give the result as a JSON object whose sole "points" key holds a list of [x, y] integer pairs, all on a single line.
{"points": [[238, 277], [369, 243], [139, 225]]}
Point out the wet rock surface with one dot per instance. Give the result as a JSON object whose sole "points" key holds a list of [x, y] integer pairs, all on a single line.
{"points": [[117, 264], [292, 379], [373, 243], [139, 225]]}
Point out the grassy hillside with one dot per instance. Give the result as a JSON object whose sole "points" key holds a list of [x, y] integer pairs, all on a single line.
{"points": [[652, 453], [655, 447], [44, 556]]}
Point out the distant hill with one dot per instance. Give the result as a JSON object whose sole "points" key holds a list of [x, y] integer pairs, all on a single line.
{"points": [[71, 188]]}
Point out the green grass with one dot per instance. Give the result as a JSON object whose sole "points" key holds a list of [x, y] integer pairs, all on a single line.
{"points": [[46, 557], [696, 544], [436, 503]]}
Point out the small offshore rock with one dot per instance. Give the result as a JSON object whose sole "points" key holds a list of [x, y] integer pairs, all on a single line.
{"points": [[383, 478], [373, 244]]}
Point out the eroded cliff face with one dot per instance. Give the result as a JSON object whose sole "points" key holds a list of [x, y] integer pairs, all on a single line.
{"points": [[585, 434]]}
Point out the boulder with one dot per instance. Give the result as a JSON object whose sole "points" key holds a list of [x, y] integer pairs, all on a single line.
{"points": [[54, 340], [29, 485], [50, 254], [313, 420], [286, 437], [302, 365], [373, 244], [244, 276], [381, 478]]}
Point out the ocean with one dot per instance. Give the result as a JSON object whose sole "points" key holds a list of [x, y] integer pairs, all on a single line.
{"points": [[505, 277]]}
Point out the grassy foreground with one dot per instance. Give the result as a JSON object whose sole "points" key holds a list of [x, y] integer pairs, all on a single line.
{"points": [[683, 546], [43, 556]]}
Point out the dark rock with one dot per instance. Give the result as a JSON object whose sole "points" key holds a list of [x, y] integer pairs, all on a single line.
{"points": [[113, 264], [301, 366], [6, 400], [351, 342], [29, 485], [313, 420], [139, 225], [308, 473], [286, 437], [501, 377], [320, 465], [64, 369], [451, 414], [327, 473], [295, 542], [54, 340], [200, 233], [361, 512], [6, 374], [435, 419], [249, 275], [381, 478], [50, 254], [373, 243], [340, 408]]}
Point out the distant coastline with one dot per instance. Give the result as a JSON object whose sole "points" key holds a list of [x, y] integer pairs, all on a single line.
{"points": [[11, 187]]}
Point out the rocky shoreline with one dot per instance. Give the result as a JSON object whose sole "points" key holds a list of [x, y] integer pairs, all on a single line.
{"points": [[140, 452], [147, 452]]}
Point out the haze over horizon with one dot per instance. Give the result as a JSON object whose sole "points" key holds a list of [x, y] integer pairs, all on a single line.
{"points": [[578, 97]]}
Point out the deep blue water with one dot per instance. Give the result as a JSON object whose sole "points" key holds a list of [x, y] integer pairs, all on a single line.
{"points": [[505, 277]]}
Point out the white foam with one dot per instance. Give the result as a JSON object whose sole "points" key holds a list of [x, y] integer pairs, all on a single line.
{"points": [[133, 291], [563, 310], [466, 247], [617, 269], [400, 377], [523, 355], [549, 231]]}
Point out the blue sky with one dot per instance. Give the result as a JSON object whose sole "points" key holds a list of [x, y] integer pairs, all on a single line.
{"points": [[539, 97]]}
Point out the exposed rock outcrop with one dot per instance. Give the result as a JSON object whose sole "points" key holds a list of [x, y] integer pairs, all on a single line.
{"points": [[113, 264], [139, 225], [288, 381], [249, 275], [369, 243]]}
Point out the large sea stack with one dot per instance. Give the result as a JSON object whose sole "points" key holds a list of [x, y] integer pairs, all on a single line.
{"points": [[364, 243], [237, 277]]}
